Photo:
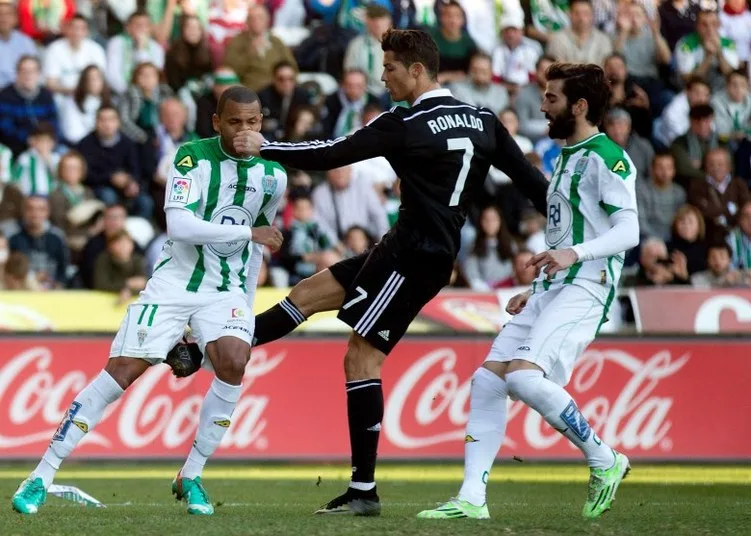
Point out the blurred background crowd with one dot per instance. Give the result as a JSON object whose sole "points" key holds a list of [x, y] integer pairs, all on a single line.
{"points": [[96, 96]]}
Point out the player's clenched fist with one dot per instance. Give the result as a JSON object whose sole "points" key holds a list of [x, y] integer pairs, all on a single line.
{"points": [[517, 303], [248, 143], [267, 236]]}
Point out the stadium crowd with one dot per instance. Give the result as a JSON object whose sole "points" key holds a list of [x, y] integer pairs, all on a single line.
{"points": [[98, 94]]}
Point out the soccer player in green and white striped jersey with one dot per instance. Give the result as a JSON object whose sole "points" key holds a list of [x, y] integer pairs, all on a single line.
{"points": [[592, 221], [35, 170], [739, 239], [219, 208]]}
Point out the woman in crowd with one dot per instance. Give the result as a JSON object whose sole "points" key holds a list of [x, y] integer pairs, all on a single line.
{"points": [[78, 111], [490, 262]]}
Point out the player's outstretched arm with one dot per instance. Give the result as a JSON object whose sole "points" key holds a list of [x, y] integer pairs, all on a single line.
{"points": [[510, 159]]}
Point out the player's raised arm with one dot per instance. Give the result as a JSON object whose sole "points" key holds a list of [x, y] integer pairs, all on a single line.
{"points": [[510, 159], [380, 137]]}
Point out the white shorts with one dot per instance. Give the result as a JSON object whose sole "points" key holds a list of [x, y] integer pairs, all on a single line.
{"points": [[552, 331], [157, 320]]}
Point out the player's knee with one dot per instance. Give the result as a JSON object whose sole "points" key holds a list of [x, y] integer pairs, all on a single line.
{"points": [[125, 370], [303, 296], [496, 367], [362, 361], [523, 382], [231, 358]]}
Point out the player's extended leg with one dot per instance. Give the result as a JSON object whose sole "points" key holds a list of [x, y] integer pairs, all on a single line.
{"points": [[82, 416], [362, 368], [228, 355], [316, 294], [608, 468]]}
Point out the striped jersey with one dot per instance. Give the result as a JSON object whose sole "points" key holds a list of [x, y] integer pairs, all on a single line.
{"points": [[591, 180], [6, 157], [740, 245], [33, 175], [219, 188]]}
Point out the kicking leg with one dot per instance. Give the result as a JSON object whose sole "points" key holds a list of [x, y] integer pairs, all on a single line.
{"points": [[228, 355], [362, 367], [83, 415], [607, 467]]}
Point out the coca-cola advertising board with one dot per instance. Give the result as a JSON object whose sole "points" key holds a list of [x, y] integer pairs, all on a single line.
{"points": [[659, 399]]}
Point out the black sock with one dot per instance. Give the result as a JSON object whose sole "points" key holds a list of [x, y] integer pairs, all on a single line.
{"points": [[365, 412], [277, 322]]}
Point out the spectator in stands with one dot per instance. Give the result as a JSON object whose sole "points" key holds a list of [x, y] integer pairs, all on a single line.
{"points": [[278, 98], [732, 108], [227, 18], [119, 268], [489, 265], [658, 198], [532, 122], [168, 17], [455, 46], [13, 44], [308, 246], [364, 51], [690, 149], [480, 89], [582, 42], [624, 93], [644, 51], [303, 125], [67, 58], [704, 53], [735, 21], [720, 195], [253, 53], [17, 274], [223, 78], [546, 18], [674, 120], [342, 202], [188, 60], [70, 193], [677, 19], [357, 241], [113, 221], [686, 245], [515, 59], [342, 111], [510, 121], [125, 52], [35, 170], [720, 273], [11, 202], [24, 105], [618, 127], [739, 239], [656, 268], [43, 245], [78, 111], [523, 275], [43, 22], [113, 167]]}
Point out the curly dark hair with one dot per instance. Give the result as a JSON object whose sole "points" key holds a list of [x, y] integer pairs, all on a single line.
{"points": [[583, 82]]}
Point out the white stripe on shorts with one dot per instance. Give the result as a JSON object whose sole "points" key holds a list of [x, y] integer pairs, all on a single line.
{"points": [[384, 290], [378, 306]]}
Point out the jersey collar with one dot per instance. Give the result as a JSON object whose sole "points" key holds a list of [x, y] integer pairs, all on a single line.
{"points": [[442, 92]]}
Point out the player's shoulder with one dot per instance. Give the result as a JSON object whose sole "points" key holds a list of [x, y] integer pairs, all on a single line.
{"points": [[190, 153], [610, 155], [390, 119], [272, 168]]}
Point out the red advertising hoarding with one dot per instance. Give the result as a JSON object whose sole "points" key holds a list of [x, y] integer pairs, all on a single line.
{"points": [[667, 399]]}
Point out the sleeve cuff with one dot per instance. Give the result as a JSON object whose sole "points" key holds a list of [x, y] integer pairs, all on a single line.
{"points": [[582, 253]]}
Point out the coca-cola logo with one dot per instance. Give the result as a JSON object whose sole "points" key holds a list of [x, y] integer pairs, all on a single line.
{"points": [[147, 413], [430, 393], [710, 312]]}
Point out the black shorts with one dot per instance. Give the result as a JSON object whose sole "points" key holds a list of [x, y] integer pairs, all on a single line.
{"points": [[386, 288]]}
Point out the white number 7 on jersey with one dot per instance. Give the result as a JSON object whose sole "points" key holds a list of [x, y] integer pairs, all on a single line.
{"points": [[465, 145]]}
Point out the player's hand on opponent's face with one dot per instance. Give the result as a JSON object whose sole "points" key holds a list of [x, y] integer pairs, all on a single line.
{"points": [[517, 303], [248, 143], [553, 261], [268, 236]]}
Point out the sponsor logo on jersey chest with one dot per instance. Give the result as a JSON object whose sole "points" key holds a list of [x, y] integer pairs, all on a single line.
{"points": [[230, 215], [559, 219]]}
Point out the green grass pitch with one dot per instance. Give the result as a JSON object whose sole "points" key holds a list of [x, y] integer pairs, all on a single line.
{"points": [[528, 499]]}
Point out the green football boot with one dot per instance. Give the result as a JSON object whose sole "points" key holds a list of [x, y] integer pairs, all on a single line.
{"points": [[30, 495], [603, 483], [456, 509], [193, 493]]}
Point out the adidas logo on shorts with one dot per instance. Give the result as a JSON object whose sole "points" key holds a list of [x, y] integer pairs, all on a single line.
{"points": [[384, 334]]}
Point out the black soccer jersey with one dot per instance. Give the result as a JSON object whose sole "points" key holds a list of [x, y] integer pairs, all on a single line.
{"points": [[441, 149]]}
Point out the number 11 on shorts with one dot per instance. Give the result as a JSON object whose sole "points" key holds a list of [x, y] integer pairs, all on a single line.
{"points": [[150, 320]]}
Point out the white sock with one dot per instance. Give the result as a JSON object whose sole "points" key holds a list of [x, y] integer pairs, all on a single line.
{"points": [[558, 408], [213, 423], [84, 413], [485, 431]]}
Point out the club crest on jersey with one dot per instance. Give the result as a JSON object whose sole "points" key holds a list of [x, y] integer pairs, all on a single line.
{"points": [[581, 166], [560, 219], [180, 190], [268, 183], [230, 215]]}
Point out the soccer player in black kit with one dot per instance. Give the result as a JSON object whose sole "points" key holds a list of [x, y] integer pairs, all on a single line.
{"points": [[441, 148]]}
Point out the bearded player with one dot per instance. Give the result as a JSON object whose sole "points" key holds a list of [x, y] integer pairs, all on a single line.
{"points": [[219, 204], [592, 221]]}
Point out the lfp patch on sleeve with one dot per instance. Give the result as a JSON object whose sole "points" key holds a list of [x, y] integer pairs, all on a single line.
{"points": [[180, 190]]}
